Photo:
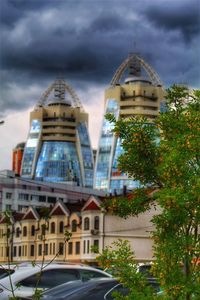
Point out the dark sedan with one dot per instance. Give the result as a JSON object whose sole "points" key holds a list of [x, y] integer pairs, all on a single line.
{"points": [[98, 289]]}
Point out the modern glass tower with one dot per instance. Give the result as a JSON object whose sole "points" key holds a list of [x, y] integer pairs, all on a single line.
{"points": [[129, 95], [58, 146]]}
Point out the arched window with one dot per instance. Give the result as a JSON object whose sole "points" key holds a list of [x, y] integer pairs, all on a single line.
{"points": [[61, 229], [32, 230], [18, 231], [24, 231], [96, 222], [86, 223], [53, 229], [74, 226]]}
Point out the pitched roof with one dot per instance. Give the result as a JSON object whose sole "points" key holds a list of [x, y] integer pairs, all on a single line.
{"points": [[31, 214], [93, 203], [59, 209]]}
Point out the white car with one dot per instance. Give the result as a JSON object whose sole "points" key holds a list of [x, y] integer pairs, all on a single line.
{"points": [[25, 278]]}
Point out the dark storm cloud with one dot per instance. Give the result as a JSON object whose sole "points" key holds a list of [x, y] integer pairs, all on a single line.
{"points": [[183, 16], [87, 40]]}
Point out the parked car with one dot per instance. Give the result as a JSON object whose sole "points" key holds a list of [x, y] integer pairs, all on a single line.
{"points": [[25, 279], [5, 270], [95, 289]]}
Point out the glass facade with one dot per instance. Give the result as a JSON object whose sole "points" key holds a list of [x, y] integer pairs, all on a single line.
{"points": [[30, 149], [86, 152], [104, 157], [108, 177], [58, 162], [118, 179]]}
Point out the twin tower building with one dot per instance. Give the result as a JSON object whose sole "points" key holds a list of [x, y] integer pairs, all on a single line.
{"points": [[58, 147]]}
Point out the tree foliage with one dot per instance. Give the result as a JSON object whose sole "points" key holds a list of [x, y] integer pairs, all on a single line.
{"points": [[165, 156], [120, 258]]}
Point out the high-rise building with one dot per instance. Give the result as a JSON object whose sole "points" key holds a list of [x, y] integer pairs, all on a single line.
{"points": [[17, 158], [58, 145], [140, 94]]}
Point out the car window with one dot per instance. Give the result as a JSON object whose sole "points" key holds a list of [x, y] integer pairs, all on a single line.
{"points": [[89, 274], [50, 278], [119, 289], [5, 272]]}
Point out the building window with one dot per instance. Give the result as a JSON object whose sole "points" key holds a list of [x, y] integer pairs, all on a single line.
{"points": [[22, 196], [8, 195], [84, 246], [46, 249], [32, 250], [53, 228], [77, 247], [88, 246], [24, 231], [18, 231], [52, 200], [96, 246], [50, 250], [74, 226], [39, 249], [86, 223], [61, 248], [54, 248], [20, 251], [96, 222], [43, 229], [42, 198], [70, 248], [8, 207], [15, 251], [61, 229], [32, 230]]}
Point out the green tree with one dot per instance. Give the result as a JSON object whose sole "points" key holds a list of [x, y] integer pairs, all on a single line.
{"points": [[165, 158], [120, 259]]}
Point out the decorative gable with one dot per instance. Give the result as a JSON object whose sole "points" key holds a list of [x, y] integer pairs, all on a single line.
{"points": [[59, 209], [92, 203], [29, 216], [58, 212], [91, 206]]}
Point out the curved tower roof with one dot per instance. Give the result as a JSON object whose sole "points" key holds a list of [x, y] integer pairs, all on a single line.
{"points": [[56, 94], [134, 62]]}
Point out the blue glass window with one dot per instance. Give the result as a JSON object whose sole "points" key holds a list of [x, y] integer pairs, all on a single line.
{"points": [[30, 149], [105, 146], [86, 152], [58, 162]]}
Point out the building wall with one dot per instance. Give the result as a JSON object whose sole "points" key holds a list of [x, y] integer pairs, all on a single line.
{"points": [[17, 194], [137, 230]]}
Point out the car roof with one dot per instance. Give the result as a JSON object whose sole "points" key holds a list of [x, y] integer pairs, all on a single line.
{"points": [[25, 271], [69, 288]]}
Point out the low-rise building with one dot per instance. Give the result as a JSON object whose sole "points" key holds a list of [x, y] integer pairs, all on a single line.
{"points": [[72, 232]]}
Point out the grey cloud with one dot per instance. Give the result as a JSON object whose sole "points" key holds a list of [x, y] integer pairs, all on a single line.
{"points": [[87, 41], [178, 15]]}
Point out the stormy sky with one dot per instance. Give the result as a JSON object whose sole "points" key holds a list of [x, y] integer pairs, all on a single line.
{"points": [[86, 41]]}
